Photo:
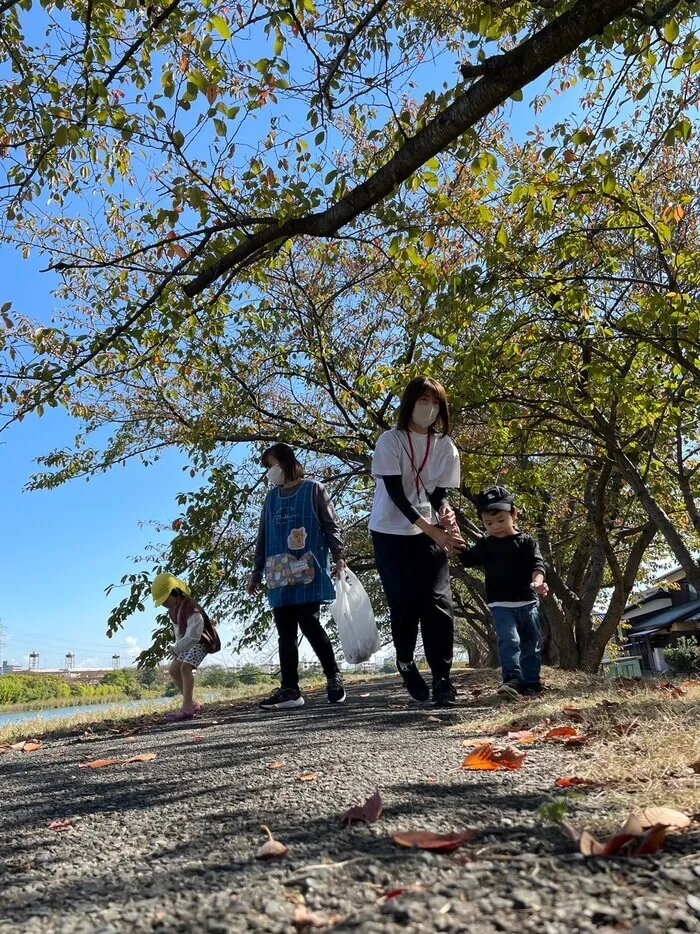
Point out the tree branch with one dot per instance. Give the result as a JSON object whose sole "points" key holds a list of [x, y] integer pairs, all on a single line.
{"points": [[516, 69]]}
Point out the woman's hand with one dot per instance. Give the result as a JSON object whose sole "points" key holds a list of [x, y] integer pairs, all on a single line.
{"points": [[339, 566], [448, 539], [447, 518], [253, 584]]}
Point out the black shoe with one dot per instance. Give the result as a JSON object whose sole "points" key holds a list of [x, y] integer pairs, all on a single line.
{"points": [[413, 681], [510, 689], [531, 689], [444, 693], [335, 690], [283, 698]]}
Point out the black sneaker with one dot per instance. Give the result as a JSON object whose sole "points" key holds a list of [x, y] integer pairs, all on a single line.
{"points": [[532, 689], [413, 681], [444, 693], [283, 698], [336, 690], [510, 689]]}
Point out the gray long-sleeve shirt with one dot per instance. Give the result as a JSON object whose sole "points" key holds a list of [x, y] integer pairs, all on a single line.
{"points": [[327, 517]]}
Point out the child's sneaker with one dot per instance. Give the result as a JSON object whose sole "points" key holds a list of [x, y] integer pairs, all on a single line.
{"points": [[336, 690], [532, 689], [510, 689], [283, 698], [444, 693], [413, 681]]}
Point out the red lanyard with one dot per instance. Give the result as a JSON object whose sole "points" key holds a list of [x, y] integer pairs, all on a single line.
{"points": [[418, 471]]}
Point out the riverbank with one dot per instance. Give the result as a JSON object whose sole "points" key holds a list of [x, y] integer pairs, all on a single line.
{"points": [[114, 714], [54, 703]]}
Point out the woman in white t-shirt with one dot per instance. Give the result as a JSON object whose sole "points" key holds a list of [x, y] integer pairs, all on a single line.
{"points": [[413, 529]]}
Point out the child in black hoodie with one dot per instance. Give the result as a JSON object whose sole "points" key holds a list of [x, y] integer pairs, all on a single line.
{"points": [[514, 571]]}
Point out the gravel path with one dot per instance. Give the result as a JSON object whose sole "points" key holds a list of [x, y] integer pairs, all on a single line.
{"points": [[168, 845]]}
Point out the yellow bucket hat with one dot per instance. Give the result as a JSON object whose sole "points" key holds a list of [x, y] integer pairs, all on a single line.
{"points": [[163, 585]]}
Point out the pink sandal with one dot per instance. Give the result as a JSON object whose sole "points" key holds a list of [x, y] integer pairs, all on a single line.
{"points": [[178, 715]]}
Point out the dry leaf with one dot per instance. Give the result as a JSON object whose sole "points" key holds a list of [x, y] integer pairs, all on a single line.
{"points": [[141, 757], [98, 763], [197, 737], [369, 812], [573, 713], [130, 739], [631, 841], [434, 720], [521, 735], [61, 824], [276, 765], [307, 777], [624, 729], [580, 740], [486, 758], [560, 732], [572, 780], [425, 840], [271, 849], [666, 817], [32, 746], [415, 887]]}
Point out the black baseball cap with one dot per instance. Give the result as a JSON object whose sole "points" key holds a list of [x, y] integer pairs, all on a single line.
{"points": [[495, 497]]}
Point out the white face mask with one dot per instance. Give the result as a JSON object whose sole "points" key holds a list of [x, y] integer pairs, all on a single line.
{"points": [[275, 475], [424, 414]]}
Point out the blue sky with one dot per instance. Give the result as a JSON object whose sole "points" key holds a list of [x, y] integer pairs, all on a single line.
{"points": [[61, 548]]}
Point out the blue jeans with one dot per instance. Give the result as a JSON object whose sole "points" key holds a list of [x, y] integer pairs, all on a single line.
{"points": [[519, 640]]}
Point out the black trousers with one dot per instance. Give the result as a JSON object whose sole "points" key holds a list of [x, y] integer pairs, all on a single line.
{"points": [[416, 578], [307, 617]]}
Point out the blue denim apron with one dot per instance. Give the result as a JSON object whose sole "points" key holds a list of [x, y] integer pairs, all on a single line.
{"points": [[283, 515]]}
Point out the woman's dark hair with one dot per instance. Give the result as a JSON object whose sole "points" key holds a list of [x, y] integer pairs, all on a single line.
{"points": [[285, 457], [412, 393]]}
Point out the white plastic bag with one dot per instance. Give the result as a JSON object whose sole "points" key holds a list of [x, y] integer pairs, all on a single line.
{"points": [[354, 617]]}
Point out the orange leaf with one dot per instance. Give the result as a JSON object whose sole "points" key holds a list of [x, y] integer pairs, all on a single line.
{"points": [[486, 758], [307, 777], [142, 757], [630, 841], [276, 765], [521, 735], [573, 780], [561, 731], [369, 812], [424, 840], [98, 763], [60, 824], [31, 747]]}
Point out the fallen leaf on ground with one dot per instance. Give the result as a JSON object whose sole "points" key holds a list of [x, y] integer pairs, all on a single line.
{"points": [[307, 777], [609, 703], [690, 683], [197, 738], [573, 713], [434, 720], [571, 780], [271, 849], [631, 841], [25, 745], [414, 887], [276, 765], [103, 763], [521, 734], [666, 817], [129, 739], [510, 728], [425, 840], [579, 740], [369, 812], [559, 732], [98, 763], [60, 824], [486, 758]]}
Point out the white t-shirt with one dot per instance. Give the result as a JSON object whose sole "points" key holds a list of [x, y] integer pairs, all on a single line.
{"points": [[392, 457]]}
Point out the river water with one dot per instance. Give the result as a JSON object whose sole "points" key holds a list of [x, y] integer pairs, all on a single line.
{"points": [[37, 716]]}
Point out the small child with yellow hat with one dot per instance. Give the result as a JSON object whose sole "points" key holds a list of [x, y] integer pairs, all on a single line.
{"points": [[195, 638]]}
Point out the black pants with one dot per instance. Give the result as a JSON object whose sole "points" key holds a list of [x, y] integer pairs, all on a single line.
{"points": [[307, 617], [416, 578]]}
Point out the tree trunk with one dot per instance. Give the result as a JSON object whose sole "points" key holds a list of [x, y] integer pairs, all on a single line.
{"points": [[562, 631]]}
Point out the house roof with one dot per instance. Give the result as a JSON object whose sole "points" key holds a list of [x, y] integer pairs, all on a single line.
{"points": [[656, 622]]}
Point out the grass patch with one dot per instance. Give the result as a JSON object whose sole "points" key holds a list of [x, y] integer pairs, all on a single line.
{"points": [[643, 738]]}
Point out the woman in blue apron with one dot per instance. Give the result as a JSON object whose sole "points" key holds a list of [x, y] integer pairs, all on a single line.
{"points": [[298, 533]]}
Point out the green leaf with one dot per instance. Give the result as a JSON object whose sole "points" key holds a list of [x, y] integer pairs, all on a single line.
{"points": [[609, 183], [517, 95], [502, 236], [279, 44], [221, 26], [414, 256], [671, 30]]}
